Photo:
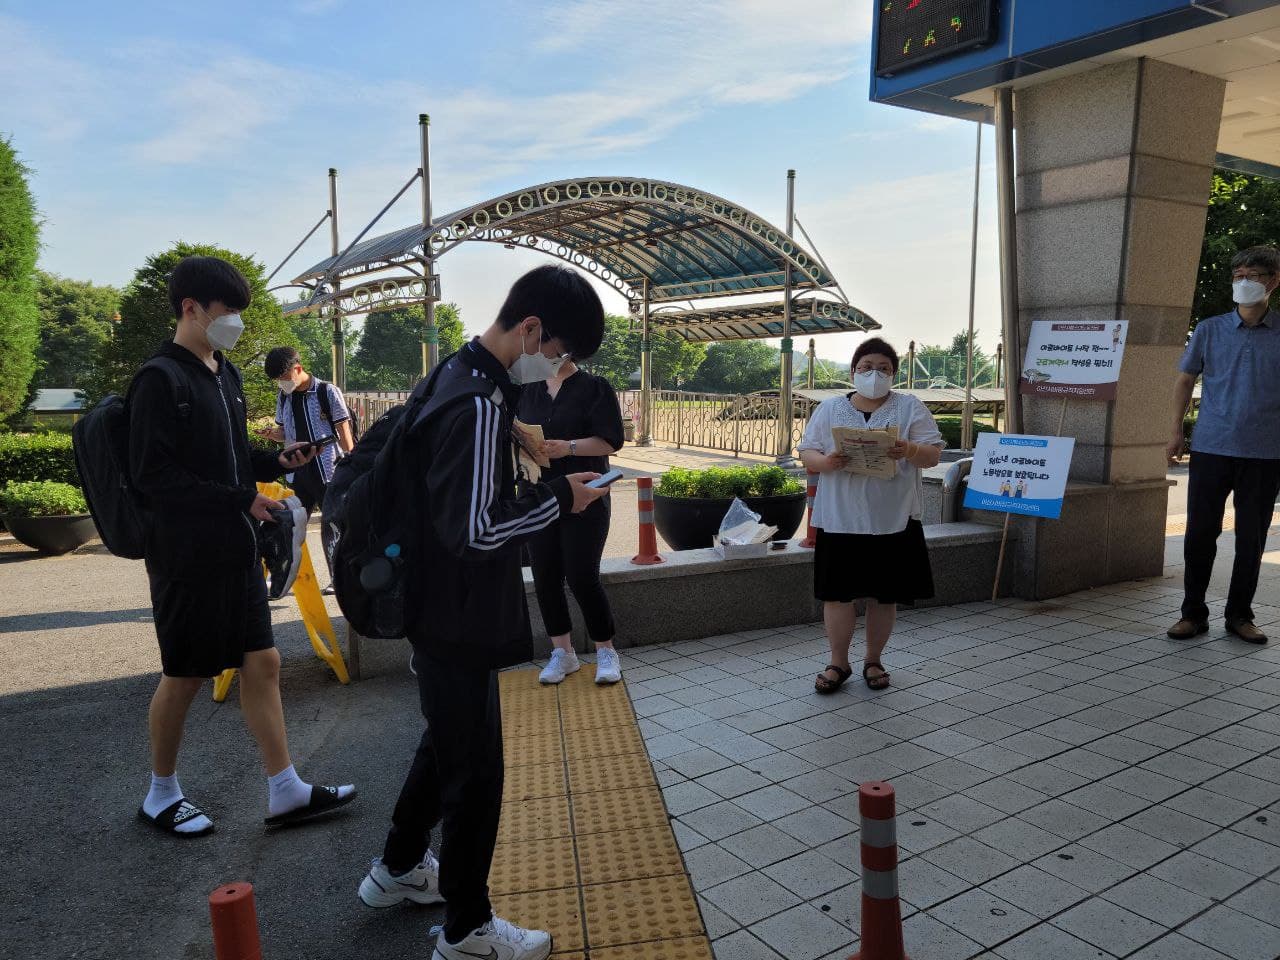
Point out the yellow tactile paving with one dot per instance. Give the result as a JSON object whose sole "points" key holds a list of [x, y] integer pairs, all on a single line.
{"points": [[559, 912], [543, 819], [627, 854], [534, 781], [634, 911], [620, 809], [577, 772], [611, 773], [690, 948], [519, 751], [533, 865]]}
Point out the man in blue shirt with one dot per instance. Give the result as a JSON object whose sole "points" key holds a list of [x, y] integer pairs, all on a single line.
{"points": [[1236, 446]]}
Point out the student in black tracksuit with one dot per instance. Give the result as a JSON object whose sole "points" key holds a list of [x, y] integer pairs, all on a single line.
{"points": [[474, 619], [191, 463]]}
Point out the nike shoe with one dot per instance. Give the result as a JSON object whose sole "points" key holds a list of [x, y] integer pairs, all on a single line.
{"points": [[280, 544], [608, 666], [380, 888], [496, 940], [563, 663]]}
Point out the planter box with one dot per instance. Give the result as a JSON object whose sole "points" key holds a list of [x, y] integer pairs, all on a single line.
{"points": [[52, 534], [691, 523]]}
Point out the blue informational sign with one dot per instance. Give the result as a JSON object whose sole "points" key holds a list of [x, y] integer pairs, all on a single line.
{"points": [[1020, 474]]}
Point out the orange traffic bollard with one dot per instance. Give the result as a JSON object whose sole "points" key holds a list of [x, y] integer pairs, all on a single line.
{"points": [[881, 910], [235, 923], [648, 532], [811, 532]]}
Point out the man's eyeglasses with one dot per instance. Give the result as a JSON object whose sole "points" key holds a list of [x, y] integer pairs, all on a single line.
{"points": [[1257, 276]]}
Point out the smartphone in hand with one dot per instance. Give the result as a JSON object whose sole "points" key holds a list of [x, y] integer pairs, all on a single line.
{"points": [[605, 480]]}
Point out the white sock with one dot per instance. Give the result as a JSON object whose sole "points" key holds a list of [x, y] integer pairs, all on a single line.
{"points": [[287, 791], [165, 792]]}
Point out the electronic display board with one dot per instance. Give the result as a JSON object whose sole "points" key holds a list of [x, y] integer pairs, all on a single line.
{"points": [[915, 32]]}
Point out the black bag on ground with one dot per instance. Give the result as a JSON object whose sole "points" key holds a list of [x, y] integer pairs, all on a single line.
{"points": [[375, 498], [100, 441]]}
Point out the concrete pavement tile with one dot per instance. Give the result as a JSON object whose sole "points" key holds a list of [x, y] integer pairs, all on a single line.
{"points": [[1108, 926], [809, 875], [763, 845], [803, 933], [750, 898], [1129, 846], [712, 864], [1238, 935], [970, 860], [1242, 852], [1006, 795], [1174, 946], [1084, 868], [742, 946], [1035, 891], [1260, 900], [983, 917], [1157, 900], [929, 939], [1045, 941], [720, 820], [1203, 876]]}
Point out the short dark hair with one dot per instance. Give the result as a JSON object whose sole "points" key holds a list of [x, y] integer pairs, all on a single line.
{"points": [[279, 360], [206, 279], [1266, 258], [875, 345], [565, 302]]}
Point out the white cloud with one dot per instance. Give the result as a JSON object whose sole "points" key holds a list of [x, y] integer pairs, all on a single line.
{"points": [[44, 90]]}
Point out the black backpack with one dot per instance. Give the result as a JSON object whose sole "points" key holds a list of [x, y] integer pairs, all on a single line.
{"points": [[326, 410], [100, 441], [375, 498]]}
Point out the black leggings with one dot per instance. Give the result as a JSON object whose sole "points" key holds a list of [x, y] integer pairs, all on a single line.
{"points": [[570, 550]]}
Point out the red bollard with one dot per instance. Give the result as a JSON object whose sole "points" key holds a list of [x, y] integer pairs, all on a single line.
{"points": [[235, 923], [811, 532], [881, 910], [648, 532]]}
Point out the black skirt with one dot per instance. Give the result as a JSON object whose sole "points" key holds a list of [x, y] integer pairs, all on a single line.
{"points": [[888, 568]]}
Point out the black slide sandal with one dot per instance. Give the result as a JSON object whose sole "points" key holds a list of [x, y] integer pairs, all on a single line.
{"points": [[178, 812], [824, 684], [323, 800]]}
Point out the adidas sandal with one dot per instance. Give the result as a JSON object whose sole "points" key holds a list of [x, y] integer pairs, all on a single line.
{"points": [[323, 800], [172, 816]]}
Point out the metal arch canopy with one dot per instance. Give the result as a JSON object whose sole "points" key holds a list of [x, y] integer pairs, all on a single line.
{"points": [[758, 321], [688, 244]]}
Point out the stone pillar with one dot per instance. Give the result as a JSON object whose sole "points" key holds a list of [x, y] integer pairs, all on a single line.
{"points": [[1113, 174]]}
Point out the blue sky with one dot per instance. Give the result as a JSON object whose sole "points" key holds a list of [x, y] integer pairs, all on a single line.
{"points": [[150, 122]]}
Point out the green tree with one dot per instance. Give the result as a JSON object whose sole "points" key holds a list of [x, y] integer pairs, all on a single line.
{"points": [[675, 360], [389, 354], [1243, 212], [146, 321], [738, 366], [76, 319], [19, 316]]}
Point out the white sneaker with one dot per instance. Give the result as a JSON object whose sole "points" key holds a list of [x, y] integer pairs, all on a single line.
{"points": [[421, 884], [563, 663], [608, 666], [496, 940]]}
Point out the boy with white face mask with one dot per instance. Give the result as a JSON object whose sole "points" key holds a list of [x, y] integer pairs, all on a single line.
{"points": [[191, 464], [1236, 446]]}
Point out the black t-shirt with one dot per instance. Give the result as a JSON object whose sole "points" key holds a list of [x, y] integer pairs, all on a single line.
{"points": [[586, 406]]}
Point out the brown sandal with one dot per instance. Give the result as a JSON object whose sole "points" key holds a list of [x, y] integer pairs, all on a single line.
{"points": [[825, 684], [876, 683]]}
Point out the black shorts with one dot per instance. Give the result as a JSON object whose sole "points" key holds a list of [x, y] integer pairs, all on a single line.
{"points": [[207, 624], [888, 568]]}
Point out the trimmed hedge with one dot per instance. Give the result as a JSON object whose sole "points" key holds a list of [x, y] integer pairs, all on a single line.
{"points": [[716, 483], [951, 428], [37, 456], [41, 499]]}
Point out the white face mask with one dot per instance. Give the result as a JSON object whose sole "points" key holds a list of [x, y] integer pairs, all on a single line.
{"points": [[286, 386], [532, 367], [1246, 292], [872, 384], [223, 332]]}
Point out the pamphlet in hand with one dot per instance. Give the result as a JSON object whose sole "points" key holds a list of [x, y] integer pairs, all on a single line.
{"points": [[530, 438], [867, 451]]}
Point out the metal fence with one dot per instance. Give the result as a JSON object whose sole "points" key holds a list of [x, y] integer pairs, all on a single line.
{"points": [[733, 423]]}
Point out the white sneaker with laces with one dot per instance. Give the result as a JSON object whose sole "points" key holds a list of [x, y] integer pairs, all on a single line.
{"points": [[496, 940], [563, 663], [421, 884], [608, 666]]}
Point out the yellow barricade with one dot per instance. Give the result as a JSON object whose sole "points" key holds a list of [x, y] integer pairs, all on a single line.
{"points": [[315, 617]]}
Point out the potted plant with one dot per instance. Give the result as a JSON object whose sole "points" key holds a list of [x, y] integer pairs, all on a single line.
{"points": [[688, 505], [46, 515]]}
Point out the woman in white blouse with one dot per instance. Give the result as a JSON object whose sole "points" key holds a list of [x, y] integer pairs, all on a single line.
{"points": [[870, 540]]}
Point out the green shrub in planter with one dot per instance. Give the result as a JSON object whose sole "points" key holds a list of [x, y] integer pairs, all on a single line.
{"points": [[37, 456], [720, 483], [41, 498]]}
